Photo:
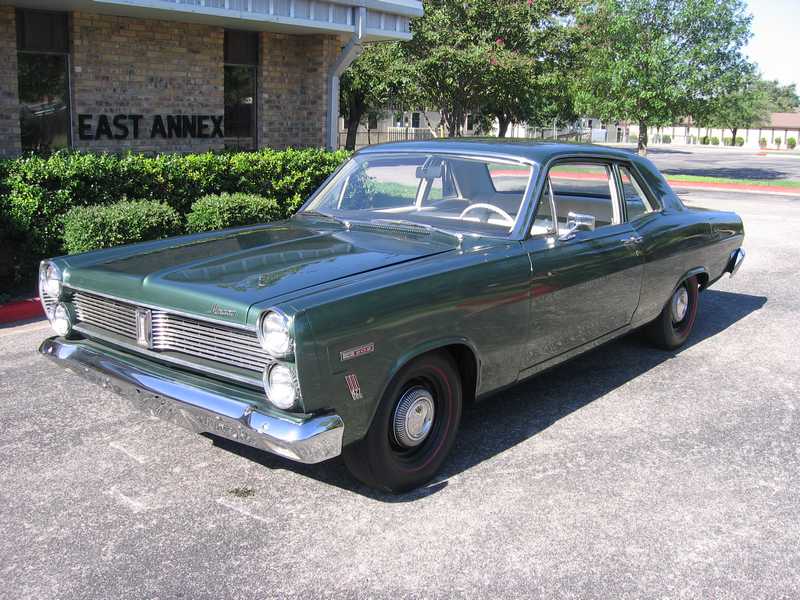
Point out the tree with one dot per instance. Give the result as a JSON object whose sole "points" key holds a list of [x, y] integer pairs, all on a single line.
{"points": [[655, 61], [490, 56], [379, 75], [781, 98], [747, 106]]}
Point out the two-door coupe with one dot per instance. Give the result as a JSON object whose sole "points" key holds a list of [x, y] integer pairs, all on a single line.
{"points": [[420, 276]]}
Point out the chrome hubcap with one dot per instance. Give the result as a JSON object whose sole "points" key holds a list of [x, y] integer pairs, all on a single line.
{"points": [[413, 417], [680, 304]]}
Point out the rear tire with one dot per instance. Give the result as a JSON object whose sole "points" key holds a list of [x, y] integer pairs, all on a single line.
{"points": [[414, 427], [674, 325]]}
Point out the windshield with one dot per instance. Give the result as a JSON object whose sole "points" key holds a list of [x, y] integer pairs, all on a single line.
{"points": [[460, 194]]}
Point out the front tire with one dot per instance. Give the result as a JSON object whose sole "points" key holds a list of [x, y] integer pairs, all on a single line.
{"points": [[674, 325], [414, 427]]}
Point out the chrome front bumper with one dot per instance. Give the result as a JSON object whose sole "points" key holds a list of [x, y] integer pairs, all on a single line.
{"points": [[735, 261], [199, 404]]}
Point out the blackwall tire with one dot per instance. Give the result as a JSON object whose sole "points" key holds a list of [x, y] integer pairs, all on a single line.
{"points": [[675, 323], [403, 448]]}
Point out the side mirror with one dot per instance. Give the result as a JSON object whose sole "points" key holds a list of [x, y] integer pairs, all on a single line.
{"points": [[577, 222]]}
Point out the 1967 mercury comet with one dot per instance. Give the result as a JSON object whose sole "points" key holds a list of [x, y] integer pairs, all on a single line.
{"points": [[418, 278]]}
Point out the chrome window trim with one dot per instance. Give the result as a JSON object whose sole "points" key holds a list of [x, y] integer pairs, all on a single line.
{"points": [[246, 327]]}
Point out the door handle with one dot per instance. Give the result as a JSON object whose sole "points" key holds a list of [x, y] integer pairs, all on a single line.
{"points": [[634, 240]]}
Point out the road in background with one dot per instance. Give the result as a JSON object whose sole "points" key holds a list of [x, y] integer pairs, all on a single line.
{"points": [[736, 163], [628, 472]]}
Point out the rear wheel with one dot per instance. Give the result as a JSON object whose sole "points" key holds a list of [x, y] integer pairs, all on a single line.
{"points": [[414, 428], [674, 325]]}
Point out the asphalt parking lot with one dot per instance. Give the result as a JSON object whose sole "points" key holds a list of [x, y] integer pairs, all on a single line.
{"points": [[629, 472]]}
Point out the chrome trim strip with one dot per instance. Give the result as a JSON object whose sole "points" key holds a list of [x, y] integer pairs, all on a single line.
{"points": [[72, 288], [202, 410]]}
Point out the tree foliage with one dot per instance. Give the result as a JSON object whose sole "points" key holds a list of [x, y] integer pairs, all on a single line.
{"points": [[501, 58], [781, 98], [380, 75], [654, 61]]}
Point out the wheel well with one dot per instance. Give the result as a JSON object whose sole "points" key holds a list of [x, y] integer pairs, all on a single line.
{"points": [[467, 365]]}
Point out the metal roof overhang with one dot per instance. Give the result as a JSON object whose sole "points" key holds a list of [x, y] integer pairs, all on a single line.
{"points": [[388, 19]]}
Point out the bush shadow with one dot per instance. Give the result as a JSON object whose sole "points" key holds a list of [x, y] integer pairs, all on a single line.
{"points": [[512, 416]]}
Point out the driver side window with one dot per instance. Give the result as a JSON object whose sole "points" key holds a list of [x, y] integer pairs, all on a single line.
{"points": [[582, 192]]}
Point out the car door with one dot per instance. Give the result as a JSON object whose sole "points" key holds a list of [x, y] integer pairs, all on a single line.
{"points": [[586, 269]]}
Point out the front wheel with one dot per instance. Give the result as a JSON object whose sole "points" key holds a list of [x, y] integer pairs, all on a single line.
{"points": [[674, 325], [414, 427]]}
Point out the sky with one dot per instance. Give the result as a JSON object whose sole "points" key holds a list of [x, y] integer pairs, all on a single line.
{"points": [[774, 45]]}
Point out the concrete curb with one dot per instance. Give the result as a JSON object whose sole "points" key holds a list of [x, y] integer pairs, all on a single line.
{"points": [[734, 187], [20, 310]]}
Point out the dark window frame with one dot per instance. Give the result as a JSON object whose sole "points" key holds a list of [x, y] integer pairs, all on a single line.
{"points": [[253, 65], [23, 47]]}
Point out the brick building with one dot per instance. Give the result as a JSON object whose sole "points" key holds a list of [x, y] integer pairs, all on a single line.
{"points": [[181, 75]]}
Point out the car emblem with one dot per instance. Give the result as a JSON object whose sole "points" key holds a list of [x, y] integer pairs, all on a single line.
{"points": [[144, 327], [221, 311], [353, 386], [352, 353]]}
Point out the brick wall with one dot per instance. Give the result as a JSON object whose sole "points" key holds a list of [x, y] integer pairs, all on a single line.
{"points": [[9, 98], [126, 66], [293, 97]]}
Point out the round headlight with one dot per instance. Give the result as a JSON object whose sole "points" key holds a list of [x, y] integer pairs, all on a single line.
{"points": [[49, 280], [274, 334], [280, 386], [62, 320]]}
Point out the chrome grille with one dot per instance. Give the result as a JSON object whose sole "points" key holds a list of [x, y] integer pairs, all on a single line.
{"points": [[174, 333], [207, 340], [111, 315]]}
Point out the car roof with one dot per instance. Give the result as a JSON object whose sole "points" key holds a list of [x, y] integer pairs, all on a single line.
{"points": [[538, 152]]}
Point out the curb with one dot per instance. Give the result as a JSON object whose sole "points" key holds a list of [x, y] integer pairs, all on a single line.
{"points": [[21, 310], [734, 187]]}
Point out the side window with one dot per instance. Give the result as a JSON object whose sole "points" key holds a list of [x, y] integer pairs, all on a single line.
{"points": [[543, 223], [636, 202], [586, 190]]}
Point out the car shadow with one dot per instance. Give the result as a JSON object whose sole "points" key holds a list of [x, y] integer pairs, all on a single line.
{"points": [[730, 173], [518, 413]]}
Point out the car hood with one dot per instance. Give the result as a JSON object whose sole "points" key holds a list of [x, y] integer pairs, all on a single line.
{"points": [[223, 274]]}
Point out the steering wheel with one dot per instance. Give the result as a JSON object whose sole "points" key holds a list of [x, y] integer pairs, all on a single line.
{"points": [[506, 217]]}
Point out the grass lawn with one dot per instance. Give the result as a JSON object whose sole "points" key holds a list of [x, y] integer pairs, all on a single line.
{"points": [[786, 183]]}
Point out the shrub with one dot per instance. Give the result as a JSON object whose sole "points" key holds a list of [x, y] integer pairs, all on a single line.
{"points": [[633, 139], [42, 190], [93, 227], [704, 140], [739, 141], [777, 142], [666, 139], [762, 142], [230, 210], [727, 141], [791, 143], [714, 140]]}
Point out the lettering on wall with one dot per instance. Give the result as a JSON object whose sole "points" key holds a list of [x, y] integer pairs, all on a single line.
{"points": [[125, 127]]}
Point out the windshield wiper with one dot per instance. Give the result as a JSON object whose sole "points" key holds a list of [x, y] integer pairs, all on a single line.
{"points": [[325, 216], [419, 227]]}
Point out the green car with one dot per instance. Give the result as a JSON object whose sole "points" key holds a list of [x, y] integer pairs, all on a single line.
{"points": [[419, 278]]}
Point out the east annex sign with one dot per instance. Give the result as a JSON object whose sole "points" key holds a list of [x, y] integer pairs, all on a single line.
{"points": [[124, 127]]}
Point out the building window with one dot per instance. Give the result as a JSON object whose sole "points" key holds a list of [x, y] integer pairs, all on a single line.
{"points": [[241, 77], [43, 74], [415, 120]]}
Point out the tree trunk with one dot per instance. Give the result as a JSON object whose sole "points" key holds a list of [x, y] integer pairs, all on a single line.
{"points": [[503, 123], [642, 146], [353, 121], [734, 131]]}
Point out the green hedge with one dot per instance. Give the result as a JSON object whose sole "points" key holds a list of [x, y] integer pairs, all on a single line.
{"points": [[37, 192], [231, 210], [94, 227], [791, 143]]}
